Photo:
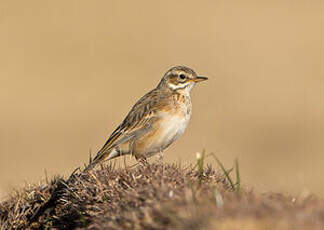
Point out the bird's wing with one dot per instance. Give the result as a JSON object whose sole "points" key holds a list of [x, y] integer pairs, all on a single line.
{"points": [[137, 122]]}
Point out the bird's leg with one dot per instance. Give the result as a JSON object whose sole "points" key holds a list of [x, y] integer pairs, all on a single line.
{"points": [[160, 156]]}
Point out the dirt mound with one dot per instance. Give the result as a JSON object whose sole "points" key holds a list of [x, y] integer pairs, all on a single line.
{"points": [[155, 196]]}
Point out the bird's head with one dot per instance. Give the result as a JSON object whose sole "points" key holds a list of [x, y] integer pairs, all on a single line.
{"points": [[180, 78]]}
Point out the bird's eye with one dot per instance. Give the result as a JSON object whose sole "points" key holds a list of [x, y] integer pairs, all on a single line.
{"points": [[182, 76]]}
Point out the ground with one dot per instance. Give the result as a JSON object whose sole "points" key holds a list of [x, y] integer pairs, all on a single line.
{"points": [[155, 196]]}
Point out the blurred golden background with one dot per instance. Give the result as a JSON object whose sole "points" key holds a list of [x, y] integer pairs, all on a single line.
{"points": [[71, 70]]}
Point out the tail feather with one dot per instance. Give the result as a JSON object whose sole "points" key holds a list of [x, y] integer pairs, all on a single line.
{"points": [[101, 156]]}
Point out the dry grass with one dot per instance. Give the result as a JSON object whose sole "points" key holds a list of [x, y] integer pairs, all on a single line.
{"points": [[156, 196]]}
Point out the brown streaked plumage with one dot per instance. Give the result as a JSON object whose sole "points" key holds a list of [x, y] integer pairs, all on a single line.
{"points": [[156, 120]]}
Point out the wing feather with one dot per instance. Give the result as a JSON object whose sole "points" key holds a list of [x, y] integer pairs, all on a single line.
{"points": [[137, 121]]}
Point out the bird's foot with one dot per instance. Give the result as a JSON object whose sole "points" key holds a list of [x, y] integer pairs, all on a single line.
{"points": [[143, 161]]}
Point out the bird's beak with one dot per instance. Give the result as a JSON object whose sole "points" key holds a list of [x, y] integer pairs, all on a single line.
{"points": [[199, 79]]}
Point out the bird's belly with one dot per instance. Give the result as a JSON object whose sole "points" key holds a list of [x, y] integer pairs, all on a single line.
{"points": [[163, 134], [170, 130]]}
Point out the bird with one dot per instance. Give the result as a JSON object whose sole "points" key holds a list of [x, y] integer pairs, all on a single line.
{"points": [[156, 120]]}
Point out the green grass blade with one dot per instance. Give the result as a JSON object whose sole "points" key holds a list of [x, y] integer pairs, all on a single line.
{"points": [[200, 164], [238, 178], [224, 171]]}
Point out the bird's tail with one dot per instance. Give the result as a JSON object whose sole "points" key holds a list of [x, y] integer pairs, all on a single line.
{"points": [[109, 155]]}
